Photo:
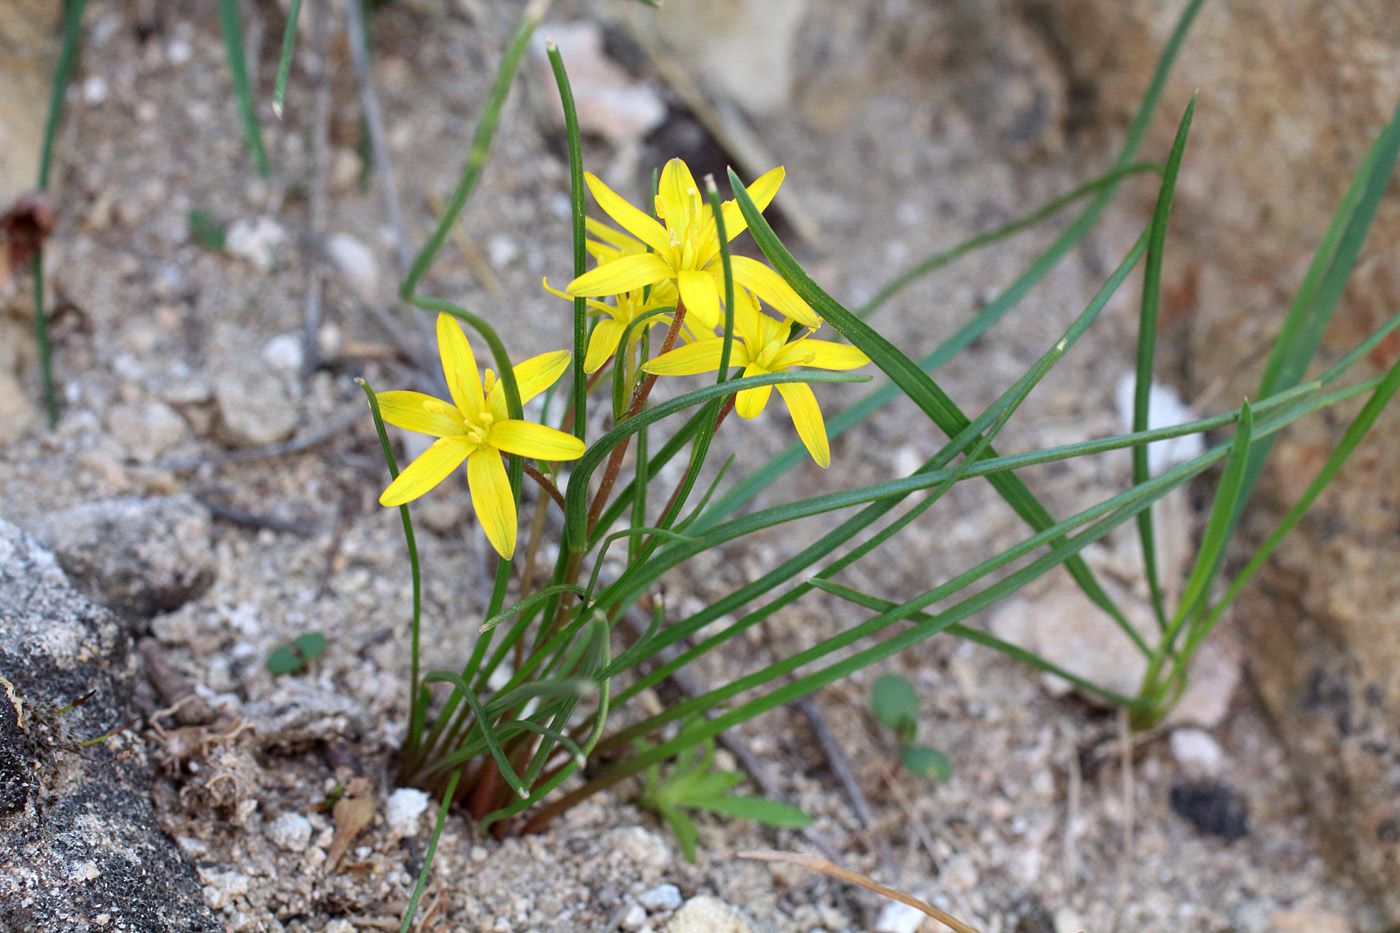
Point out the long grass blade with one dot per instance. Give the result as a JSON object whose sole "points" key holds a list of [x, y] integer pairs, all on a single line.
{"points": [[913, 382], [1146, 350], [480, 145], [232, 26], [576, 212], [417, 712], [284, 64]]}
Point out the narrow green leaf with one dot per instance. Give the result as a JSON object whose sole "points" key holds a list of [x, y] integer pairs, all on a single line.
{"points": [[284, 64], [913, 381], [417, 696], [1218, 525], [232, 27], [534, 599], [576, 213], [480, 146], [1146, 350], [758, 809]]}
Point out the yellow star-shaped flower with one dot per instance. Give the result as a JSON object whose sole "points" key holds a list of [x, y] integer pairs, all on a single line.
{"points": [[761, 345], [686, 249], [476, 427]]}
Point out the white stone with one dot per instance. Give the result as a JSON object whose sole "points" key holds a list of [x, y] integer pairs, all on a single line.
{"points": [[662, 897], [899, 918], [634, 919], [290, 831], [357, 263], [1197, 749], [146, 429], [1067, 921], [256, 241], [284, 352], [403, 809], [1165, 409], [254, 410], [706, 914], [501, 250], [95, 90]]}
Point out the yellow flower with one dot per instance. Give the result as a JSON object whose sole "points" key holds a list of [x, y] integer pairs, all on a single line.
{"points": [[476, 427], [603, 341], [761, 345], [685, 250]]}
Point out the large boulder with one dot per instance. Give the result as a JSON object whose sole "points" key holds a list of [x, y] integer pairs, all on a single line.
{"points": [[1292, 93], [80, 849]]}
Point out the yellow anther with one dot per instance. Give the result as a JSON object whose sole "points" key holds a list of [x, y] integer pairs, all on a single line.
{"points": [[434, 406]]}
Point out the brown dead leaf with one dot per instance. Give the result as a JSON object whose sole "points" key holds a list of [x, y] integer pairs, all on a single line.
{"points": [[351, 814]]}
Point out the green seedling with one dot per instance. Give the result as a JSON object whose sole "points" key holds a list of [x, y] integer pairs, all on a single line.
{"points": [[290, 658], [896, 706], [208, 230], [691, 784]]}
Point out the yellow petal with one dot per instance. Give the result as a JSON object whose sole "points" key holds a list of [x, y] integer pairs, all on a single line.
{"points": [[750, 402], [674, 195], [628, 217], [459, 365], [807, 418], [701, 297], [492, 499], [619, 241], [535, 440], [702, 356], [431, 468], [769, 285], [746, 318], [538, 373], [622, 275], [762, 191], [414, 411], [602, 344], [819, 354]]}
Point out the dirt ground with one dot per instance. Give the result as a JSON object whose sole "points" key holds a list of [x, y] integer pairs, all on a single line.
{"points": [[171, 354]]}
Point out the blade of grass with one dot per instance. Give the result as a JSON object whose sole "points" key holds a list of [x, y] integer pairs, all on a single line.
{"points": [[1351, 439], [1146, 350], [417, 711], [913, 382], [63, 72], [284, 64], [1321, 289], [1047, 260], [480, 145], [943, 257], [576, 212], [229, 22]]}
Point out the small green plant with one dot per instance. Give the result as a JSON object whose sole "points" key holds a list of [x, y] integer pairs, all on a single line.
{"points": [[208, 230], [665, 299], [692, 783], [296, 654], [896, 707]]}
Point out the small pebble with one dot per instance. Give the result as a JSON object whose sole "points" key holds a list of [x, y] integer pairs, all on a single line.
{"points": [[660, 898], [403, 809], [284, 352], [634, 919], [290, 831], [1196, 749]]}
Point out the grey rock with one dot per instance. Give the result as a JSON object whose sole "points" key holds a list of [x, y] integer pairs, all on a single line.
{"points": [[254, 409], [137, 556], [80, 849]]}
